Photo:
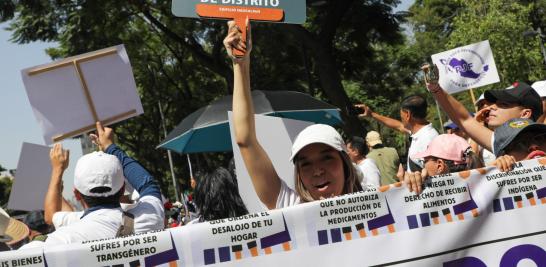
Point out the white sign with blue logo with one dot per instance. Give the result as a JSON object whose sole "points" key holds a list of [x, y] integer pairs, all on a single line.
{"points": [[466, 67]]}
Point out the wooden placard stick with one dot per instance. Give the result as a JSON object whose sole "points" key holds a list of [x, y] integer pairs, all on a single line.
{"points": [[240, 14], [473, 97], [92, 126]]}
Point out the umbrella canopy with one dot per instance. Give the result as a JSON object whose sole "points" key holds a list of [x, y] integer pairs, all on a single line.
{"points": [[207, 129]]}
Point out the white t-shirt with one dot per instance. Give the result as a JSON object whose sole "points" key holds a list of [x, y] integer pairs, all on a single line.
{"points": [[370, 172], [64, 218], [287, 197], [419, 142], [104, 223]]}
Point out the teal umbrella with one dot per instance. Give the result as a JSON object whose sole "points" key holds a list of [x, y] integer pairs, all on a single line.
{"points": [[207, 129]]}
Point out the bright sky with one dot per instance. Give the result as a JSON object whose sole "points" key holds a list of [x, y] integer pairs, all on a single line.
{"points": [[18, 122]]}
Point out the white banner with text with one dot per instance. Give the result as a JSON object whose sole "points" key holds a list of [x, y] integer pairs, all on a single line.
{"points": [[478, 218]]}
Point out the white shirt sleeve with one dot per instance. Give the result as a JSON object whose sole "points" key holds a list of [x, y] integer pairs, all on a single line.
{"points": [[64, 218], [149, 214], [287, 197], [371, 173]]}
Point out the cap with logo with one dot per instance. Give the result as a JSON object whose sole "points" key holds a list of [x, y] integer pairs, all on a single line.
{"points": [[318, 133], [521, 94], [506, 133], [98, 169]]}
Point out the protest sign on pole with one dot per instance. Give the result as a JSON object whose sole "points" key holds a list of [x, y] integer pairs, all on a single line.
{"points": [[32, 178], [276, 136], [70, 95], [286, 11], [466, 67]]}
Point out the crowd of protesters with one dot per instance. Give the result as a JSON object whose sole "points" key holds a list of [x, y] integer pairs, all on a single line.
{"points": [[120, 197]]}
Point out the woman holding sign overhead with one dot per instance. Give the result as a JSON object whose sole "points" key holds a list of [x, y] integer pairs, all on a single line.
{"points": [[322, 167]]}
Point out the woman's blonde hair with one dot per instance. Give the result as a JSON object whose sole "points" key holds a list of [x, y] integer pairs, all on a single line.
{"points": [[351, 184]]}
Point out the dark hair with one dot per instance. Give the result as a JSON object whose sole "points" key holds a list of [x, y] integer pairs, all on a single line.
{"points": [[378, 146], [416, 105], [217, 196], [92, 201], [35, 221], [358, 144]]}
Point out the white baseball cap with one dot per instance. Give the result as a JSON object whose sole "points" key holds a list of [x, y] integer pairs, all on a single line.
{"points": [[540, 87], [98, 169], [318, 133]]}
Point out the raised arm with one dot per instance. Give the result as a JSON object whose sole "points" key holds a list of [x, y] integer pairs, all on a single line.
{"points": [[260, 168], [389, 122], [139, 178], [460, 116], [53, 201]]}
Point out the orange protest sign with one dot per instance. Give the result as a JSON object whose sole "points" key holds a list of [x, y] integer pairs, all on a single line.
{"points": [[239, 14]]}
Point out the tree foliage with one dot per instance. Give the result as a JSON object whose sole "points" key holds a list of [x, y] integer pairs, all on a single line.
{"points": [[5, 189], [181, 64]]}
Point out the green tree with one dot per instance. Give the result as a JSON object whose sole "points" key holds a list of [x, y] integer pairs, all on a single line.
{"points": [[503, 23], [181, 63], [5, 190]]}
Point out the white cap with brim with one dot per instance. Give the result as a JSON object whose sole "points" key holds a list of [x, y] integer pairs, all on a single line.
{"points": [[318, 133], [98, 169], [540, 87]]}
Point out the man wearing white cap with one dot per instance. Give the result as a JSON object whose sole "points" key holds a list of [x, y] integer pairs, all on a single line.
{"points": [[99, 185], [540, 87]]}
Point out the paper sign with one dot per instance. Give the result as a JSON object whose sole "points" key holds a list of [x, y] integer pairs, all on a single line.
{"points": [[32, 178], [466, 67], [243, 237], [287, 11], [70, 95], [145, 249], [33, 257], [276, 136]]}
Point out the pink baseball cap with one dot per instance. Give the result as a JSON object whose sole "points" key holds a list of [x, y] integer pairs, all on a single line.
{"points": [[446, 146]]}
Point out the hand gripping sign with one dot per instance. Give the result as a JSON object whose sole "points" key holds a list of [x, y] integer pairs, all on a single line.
{"points": [[286, 11]]}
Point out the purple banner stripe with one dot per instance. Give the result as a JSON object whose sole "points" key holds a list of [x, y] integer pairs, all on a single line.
{"points": [[508, 204], [412, 222], [163, 257], [425, 219], [224, 253], [276, 239], [497, 205], [336, 235], [322, 237], [381, 221], [210, 257]]}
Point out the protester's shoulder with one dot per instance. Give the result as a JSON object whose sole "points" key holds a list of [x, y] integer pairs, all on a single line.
{"points": [[287, 196], [91, 227], [430, 130], [426, 133], [64, 218]]}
